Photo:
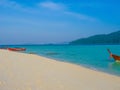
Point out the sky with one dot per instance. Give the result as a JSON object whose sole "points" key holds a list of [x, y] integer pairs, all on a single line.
{"points": [[56, 21]]}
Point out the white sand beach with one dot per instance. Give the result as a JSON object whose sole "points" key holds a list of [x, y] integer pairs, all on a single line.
{"points": [[19, 71]]}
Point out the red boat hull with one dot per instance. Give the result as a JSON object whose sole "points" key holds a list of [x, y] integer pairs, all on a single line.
{"points": [[116, 58], [17, 49]]}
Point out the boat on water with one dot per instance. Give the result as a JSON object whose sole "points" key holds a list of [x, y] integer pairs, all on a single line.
{"points": [[16, 49], [116, 57]]}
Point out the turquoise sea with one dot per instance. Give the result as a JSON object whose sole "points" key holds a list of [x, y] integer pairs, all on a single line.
{"points": [[91, 56]]}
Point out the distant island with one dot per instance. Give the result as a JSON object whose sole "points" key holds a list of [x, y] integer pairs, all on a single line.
{"points": [[112, 38]]}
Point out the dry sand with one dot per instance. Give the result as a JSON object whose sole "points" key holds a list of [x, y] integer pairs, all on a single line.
{"points": [[20, 71]]}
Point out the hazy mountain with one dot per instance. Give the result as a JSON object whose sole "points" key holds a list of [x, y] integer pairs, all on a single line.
{"points": [[112, 38]]}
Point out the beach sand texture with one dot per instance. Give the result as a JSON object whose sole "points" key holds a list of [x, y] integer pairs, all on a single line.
{"points": [[19, 71]]}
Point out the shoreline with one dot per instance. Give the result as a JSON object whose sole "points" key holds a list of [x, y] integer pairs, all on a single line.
{"points": [[21, 71], [84, 66]]}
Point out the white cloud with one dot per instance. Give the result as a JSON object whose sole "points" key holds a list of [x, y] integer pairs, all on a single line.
{"points": [[52, 5], [49, 5], [10, 4], [17, 6], [63, 8], [80, 16]]}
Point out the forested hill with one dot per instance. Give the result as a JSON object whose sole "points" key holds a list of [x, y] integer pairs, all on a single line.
{"points": [[112, 38]]}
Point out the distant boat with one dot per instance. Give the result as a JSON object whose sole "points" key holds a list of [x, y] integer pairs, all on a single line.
{"points": [[16, 49], [116, 57]]}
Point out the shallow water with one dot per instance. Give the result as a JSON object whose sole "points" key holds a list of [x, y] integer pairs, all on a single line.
{"points": [[91, 56]]}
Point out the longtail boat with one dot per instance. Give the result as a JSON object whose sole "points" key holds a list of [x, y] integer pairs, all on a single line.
{"points": [[16, 49], [116, 57]]}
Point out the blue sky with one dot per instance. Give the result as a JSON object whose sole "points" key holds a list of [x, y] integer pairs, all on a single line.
{"points": [[56, 21]]}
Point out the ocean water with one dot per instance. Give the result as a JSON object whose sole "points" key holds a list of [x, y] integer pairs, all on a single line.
{"points": [[91, 56]]}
